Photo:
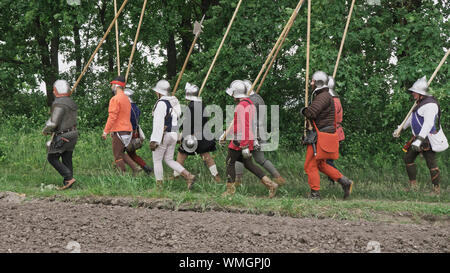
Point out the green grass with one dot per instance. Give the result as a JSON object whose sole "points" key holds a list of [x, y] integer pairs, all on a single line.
{"points": [[378, 193]]}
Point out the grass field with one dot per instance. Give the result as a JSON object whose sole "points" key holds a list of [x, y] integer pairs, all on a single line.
{"points": [[379, 192]]}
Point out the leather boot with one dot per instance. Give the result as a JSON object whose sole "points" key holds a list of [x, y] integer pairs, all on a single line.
{"points": [[190, 178], [314, 194], [68, 184], [147, 169], [159, 184], [137, 171], [231, 189], [347, 186], [436, 189], [217, 178], [272, 186], [279, 180]]}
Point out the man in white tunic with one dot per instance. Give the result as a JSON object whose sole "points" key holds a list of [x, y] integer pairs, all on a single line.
{"points": [[165, 134], [424, 122]]}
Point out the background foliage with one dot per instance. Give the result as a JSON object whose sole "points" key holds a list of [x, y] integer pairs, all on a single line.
{"points": [[388, 47]]}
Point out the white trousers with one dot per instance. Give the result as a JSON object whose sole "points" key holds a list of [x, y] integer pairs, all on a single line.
{"points": [[166, 151]]}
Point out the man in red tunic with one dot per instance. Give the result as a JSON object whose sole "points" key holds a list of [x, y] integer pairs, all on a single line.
{"points": [[241, 147]]}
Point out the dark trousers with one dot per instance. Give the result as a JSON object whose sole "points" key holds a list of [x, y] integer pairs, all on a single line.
{"points": [[64, 168], [430, 159], [234, 156]]}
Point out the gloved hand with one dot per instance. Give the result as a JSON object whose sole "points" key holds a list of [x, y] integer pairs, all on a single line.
{"points": [[153, 145], [302, 111], [416, 145], [397, 132], [246, 153]]}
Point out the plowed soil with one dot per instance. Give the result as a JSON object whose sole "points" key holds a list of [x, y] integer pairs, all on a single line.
{"points": [[42, 225]]}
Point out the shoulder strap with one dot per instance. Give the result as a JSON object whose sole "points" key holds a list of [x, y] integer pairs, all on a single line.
{"points": [[135, 117], [168, 108]]}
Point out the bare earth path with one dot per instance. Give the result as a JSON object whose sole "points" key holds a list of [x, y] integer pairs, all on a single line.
{"points": [[50, 226]]}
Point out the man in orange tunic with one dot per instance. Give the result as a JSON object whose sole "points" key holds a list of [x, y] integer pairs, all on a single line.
{"points": [[119, 126]]}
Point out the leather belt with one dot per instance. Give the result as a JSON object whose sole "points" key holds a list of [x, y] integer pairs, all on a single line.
{"points": [[122, 133], [66, 131]]}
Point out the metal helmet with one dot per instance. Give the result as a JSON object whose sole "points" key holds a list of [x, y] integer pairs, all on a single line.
{"points": [[248, 85], [61, 86], [192, 92], [321, 79], [331, 85], [162, 87], [129, 93], [230, 89], [420, 87], [239, 89], [189, 143]]}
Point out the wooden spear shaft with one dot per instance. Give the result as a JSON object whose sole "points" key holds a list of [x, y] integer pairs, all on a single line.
{"points": [[290, 21], [294, 14], [397, 133], [117, 38], [135, 40], [308, 39], [220, 47], [343, 38], [98, 47], [187, 58], [439, 67], [275, 55]]}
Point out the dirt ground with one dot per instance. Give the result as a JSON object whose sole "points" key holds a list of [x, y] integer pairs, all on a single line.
{"points": [[46, 225]]}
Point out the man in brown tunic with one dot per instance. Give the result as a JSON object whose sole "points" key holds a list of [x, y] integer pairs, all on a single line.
{"points": [[321, 111]]}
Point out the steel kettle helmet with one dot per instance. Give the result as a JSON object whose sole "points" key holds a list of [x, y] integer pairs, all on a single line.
{"points": [[162, 87], [331, 85], [420, 87], [239, 89], [192, 92], [321, 79]]}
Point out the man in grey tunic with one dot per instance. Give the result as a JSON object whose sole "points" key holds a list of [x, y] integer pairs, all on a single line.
{"points": [[258, 155], [62, 126]]}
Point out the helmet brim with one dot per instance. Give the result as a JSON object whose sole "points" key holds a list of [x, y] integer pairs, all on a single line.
{"points": [[193, 98], [160, 91]]}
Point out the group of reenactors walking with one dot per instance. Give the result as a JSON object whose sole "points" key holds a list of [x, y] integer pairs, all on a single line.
{"points": [[324, 115]]}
